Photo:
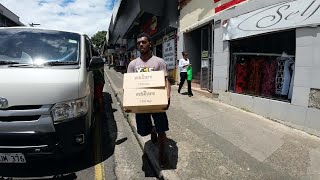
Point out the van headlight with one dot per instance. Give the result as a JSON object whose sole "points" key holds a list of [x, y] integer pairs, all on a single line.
{"points": [[70, 109]]}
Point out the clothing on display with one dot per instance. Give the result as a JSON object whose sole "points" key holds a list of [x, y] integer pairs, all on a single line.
{"points": [[292, 82], [266, 76], [254, 84], [284, 73], [241, 77]]}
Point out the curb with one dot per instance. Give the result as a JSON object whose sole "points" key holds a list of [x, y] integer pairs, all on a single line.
{"points": [[162, 174]]}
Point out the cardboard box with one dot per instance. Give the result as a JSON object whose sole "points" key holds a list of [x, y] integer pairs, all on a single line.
{"points": [[145, 100], [155, 79]]}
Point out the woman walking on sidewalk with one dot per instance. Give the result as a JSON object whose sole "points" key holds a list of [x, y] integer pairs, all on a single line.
{"points": [[184, 63]]}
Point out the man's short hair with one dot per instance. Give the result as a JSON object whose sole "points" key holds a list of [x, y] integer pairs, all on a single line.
{"points": [[184, 52], [144, 35]]}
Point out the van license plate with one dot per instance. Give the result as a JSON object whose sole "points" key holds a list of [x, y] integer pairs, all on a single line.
{"points": [[12, 158]]}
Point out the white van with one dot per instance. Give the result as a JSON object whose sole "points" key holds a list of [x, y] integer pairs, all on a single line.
{"points": [[46, 93]]}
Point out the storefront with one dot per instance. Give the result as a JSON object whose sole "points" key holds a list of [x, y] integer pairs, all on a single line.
{"points": [[199, 44], [196, 36], [263, 56], [157, 18], [267, 60]]}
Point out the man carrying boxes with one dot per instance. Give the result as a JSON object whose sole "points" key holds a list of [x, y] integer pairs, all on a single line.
{"points": [[147, 93]]}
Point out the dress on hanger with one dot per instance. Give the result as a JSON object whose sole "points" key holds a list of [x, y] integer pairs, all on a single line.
{"points": [[268, 78], [283, 77], [254, 84], [241, 77]]}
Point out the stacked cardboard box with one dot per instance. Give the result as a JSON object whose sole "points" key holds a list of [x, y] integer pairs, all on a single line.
{"points": [[144, 92]]}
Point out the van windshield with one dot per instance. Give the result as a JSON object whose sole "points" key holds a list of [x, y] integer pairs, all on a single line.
{"points": [[38, 47]]}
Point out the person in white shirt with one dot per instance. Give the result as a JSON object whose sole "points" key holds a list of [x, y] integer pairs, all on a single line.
{"points": [[183, 65]]}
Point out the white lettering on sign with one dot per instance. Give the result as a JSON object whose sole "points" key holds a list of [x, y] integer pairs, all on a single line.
{"points": [[168, 53], [277, 17]]}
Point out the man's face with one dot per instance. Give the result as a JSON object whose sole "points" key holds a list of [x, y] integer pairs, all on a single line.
{"points": [[143, 45], [185, 55]]}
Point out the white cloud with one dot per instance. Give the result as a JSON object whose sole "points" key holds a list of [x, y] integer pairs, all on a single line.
{"points": [[87, 16]]}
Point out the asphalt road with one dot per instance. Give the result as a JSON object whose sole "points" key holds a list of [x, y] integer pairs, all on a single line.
{"points": [[113, 153]]}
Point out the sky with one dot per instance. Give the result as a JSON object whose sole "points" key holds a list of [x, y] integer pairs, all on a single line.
{"points": [[86, 16]]}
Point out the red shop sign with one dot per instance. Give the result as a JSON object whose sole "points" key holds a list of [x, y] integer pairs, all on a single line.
{"points": [[227, 5]]}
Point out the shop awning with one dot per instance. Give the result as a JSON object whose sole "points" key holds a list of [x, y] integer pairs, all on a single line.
{"points": [[129, 11]]}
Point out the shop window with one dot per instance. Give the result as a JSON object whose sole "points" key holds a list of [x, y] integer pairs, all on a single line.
{"points": [[88, 51], [263, 66]]}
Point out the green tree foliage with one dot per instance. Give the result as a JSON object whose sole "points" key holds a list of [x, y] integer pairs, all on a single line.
{"points": [[99, 38]]}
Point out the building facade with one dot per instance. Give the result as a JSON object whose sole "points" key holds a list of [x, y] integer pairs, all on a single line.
{"points": [[8, 18], [157, 18], [261, 56]]}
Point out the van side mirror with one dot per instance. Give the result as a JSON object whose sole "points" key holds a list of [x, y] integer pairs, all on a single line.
{"points": [[96, 63]]}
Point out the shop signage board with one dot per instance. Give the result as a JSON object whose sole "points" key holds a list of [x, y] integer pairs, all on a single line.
{"points": [[226, 5], [204, 54], [168, 53], [285, 15]]}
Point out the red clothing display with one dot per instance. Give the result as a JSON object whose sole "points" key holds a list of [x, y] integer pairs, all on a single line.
{"points": [[268, 78], [241, 77], [254, 84]]}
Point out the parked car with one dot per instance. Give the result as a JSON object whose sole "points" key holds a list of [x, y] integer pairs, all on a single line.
{"points": [[46, 93]]}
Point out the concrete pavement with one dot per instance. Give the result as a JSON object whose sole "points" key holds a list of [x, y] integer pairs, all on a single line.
{"points": [[212, 140]]}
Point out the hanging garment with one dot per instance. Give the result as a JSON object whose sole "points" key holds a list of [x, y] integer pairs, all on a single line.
{"points": [[291, 82], [241, 77], [269, 72], [284, 74], [254, 84]]}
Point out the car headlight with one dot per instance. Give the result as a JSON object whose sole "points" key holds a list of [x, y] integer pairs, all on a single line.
{"points": [[70, 109]]}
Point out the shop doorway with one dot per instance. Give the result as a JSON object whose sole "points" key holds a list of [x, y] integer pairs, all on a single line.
{"points": [[159, 50], [206, 58], [192, 44]]}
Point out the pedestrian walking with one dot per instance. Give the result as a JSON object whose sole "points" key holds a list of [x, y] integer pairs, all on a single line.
{"points": [[147, 62], [98, 76], [184, 63]]}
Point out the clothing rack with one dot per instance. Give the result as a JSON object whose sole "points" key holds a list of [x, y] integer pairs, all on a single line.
{"points": [[262, 54]]}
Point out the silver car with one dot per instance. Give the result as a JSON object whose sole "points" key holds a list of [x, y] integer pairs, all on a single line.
{"points": [[46, 93]]}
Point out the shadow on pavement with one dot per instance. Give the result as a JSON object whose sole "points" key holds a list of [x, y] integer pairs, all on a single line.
{"points": [[101, 146], [171, 150], [109, 128], [120, 141], [146, 167], [185, 93], [173, 154]]}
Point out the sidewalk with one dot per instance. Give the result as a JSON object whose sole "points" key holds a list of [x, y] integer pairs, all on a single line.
{"points": [[211, 140]]}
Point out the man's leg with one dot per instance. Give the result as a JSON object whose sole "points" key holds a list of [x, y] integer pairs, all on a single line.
{"points": [[162, 125], [189, 88], [182, 79], [144, 124]]}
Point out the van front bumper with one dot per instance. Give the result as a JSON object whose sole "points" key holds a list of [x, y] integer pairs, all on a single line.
{"points": [[38, 145]]}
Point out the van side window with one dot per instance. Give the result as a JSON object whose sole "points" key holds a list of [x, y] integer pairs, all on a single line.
{"points": [[88, 52]]}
